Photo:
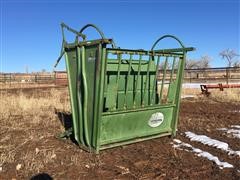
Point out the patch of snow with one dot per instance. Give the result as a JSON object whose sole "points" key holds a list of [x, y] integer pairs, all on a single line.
{"points": [[37, 150], [125, 170], [188, 96], [177, 141], [222, 129], [182, 146], [233, 132], [236, 126], [197, 85], [206, 140], [235, 111], [191, 85], [18, 167], [211, 142]]}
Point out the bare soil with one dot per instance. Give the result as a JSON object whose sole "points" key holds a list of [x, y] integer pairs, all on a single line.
{"points": [[31, 150]]}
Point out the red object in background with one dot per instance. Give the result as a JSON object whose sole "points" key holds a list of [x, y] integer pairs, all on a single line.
{"points": [[220, 86]]}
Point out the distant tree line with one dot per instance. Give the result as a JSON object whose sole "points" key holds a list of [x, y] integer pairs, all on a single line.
{"points": [[229, 55], [203, 62]]}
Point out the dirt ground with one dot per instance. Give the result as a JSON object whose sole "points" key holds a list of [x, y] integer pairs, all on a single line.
{"points": [[29, 148]]}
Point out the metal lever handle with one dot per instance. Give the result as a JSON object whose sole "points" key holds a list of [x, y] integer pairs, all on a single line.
{"points": [[72, 30]]}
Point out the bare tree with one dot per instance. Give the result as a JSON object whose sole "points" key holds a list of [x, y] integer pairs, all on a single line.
{"points": [[191, 64], [236, 64], [203, 62], [229, 55]]}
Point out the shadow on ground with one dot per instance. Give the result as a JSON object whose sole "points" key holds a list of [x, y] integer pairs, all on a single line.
{"points": [[41, 176]]}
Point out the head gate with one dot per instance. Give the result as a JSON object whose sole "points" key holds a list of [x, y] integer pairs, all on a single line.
{"points": [[120, 96]]}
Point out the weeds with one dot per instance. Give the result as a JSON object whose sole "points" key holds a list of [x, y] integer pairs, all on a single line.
{"points": [[227, 95], [23, 107], [26, 120]]}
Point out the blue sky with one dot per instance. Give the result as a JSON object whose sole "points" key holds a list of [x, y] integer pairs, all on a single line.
{"points": [[31, 35]]}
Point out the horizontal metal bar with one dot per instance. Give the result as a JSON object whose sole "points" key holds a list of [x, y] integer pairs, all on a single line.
{"points": [[135, 140], [146, 108], [175, 50], [142, 52], [158, 51], [87, 43], [127, 50], [215, 86]]}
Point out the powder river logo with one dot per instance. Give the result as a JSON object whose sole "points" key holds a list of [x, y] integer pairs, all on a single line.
{"points": [[156, 119]]}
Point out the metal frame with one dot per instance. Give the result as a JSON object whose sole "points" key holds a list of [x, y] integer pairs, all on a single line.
{"points": [[120, 88]]}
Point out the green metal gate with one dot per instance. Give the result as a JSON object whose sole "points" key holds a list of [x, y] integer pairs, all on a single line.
{"points": [[120, 96]]}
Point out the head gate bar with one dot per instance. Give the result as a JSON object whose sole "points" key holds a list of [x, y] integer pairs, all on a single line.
{"points": [[121, 96]]}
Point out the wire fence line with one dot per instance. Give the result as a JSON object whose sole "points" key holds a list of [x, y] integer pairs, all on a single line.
{"points": [[59, 78]]}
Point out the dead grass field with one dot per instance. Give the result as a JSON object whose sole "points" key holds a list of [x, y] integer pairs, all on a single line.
{"points": [[26, 118], [30, 121], [227, 95]]}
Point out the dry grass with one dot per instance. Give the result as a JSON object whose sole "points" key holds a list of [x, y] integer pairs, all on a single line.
{"points": [[18, 85], [25, 121], [190, 91], [35, 106], [227, 95]]}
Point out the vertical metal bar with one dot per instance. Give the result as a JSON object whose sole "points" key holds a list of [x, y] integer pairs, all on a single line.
{"points": [[227, 75], [163, 79], [96, 93], [126, 91], [146, 82], [155, 79], [85, 100], [180, 72], [103, 67], [119, 57], [80, 119], [74, 115], [173, 65], [171, 75], [136, 84], [119, 66]]}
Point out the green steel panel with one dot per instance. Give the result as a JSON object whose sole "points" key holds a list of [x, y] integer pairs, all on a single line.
{"points": [[124, 126]]}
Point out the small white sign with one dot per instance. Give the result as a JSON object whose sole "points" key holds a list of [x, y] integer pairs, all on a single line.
{"points": [[91, 58], [156, 119]]}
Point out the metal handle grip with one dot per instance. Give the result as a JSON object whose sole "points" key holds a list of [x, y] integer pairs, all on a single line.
{"points": [[95, 27], [98, 30]]}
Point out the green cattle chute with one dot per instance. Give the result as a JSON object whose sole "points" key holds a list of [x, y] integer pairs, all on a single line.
{"points": [[121, 96]]}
